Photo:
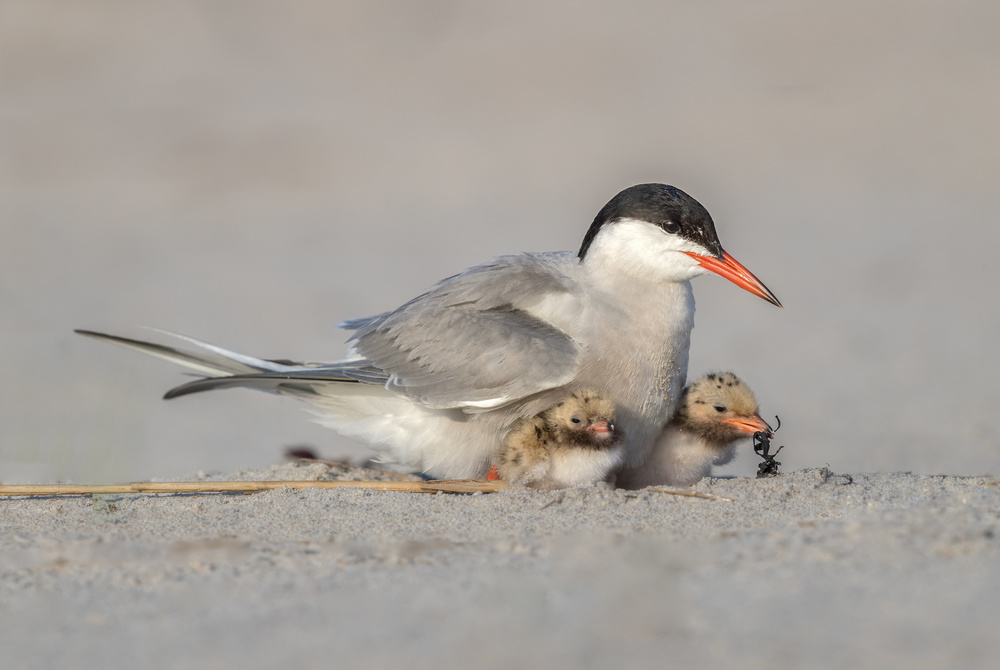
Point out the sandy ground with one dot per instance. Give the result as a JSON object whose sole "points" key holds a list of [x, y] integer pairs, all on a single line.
{"points": [[811, 569], [252, 173]]}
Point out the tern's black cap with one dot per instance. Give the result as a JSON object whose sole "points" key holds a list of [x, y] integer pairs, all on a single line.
{"points": [[665, 206]]}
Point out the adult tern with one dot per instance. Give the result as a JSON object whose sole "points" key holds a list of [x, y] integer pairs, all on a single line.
{"points": [[435, 384]]}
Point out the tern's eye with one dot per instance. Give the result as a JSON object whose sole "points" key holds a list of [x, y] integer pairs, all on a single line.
{"points": [[575, 419], [720, 408], [671, 227]]}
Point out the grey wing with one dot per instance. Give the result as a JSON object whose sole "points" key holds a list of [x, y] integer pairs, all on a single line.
{"points": [[357, 324], [298, 382], [225, 368], [470, 341]]}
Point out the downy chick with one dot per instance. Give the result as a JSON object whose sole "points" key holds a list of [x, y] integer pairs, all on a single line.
{"points": [[714, 413], [575, 443]]}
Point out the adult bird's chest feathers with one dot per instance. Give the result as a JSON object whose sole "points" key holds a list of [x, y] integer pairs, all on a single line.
{"points": [[636, 346]]}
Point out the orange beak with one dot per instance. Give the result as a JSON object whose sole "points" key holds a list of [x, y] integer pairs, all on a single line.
{"points": [[754, 424], [600, 427], [733, 270]]}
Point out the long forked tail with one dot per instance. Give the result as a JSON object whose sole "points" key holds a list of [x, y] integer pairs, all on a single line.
{"points": [[227, 369]]}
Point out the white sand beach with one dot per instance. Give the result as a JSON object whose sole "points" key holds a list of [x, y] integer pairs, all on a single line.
{"points": [[251, 174], [812, 569]]}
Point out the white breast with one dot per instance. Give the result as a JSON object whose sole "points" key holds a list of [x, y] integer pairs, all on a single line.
{"points": [[636, 351], [678, 458], [580, 467]]}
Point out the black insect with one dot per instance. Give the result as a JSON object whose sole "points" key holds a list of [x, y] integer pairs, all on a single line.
{"points": [[762, 446]]}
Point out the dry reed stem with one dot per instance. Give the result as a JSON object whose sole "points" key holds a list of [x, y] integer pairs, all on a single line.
{"points": [[194, 488], [434, 486]]}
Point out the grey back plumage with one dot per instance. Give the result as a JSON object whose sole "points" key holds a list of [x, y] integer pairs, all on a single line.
{"points": [[468, 340]]}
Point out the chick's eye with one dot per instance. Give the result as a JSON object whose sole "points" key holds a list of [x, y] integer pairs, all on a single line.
{"points": [[575, 420], [720, 408], [671, 227]]}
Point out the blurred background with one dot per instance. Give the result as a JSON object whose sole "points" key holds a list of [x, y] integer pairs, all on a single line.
{"points": [[251, 173]]}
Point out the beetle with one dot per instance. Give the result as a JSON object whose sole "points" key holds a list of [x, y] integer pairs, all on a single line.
{"points": [[769, 467]]}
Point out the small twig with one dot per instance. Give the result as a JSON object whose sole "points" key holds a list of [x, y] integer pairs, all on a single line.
{"points": [[435, 486], [692, 494]]}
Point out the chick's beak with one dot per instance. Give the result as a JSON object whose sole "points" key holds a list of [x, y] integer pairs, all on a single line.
{"points": [[733, 270], [753, 424], [601, 427]]}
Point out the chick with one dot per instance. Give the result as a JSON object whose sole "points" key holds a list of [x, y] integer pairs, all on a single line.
{"points": [[575, 443], [714, 413]]}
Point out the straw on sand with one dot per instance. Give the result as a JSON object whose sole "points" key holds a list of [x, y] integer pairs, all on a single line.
{"points": [[195, 488], [443, 486]]}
